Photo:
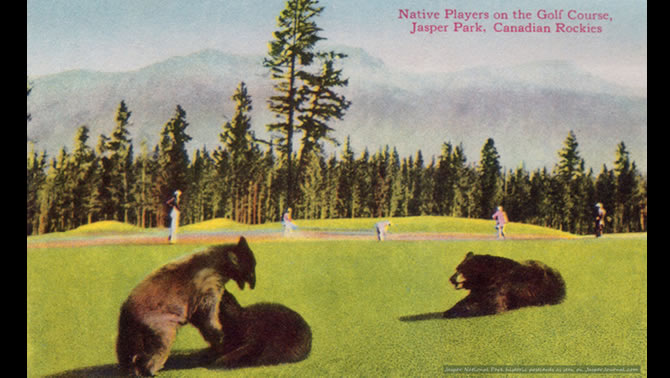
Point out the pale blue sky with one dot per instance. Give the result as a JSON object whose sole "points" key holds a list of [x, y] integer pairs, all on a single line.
{"points": [[120, 35]]}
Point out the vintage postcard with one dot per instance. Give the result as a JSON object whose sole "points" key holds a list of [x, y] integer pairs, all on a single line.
{"points": [[336, 188]]}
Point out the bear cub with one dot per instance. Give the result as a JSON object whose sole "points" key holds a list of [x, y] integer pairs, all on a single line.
{"points": [[260, 334], [184, 291], [499, 284]]}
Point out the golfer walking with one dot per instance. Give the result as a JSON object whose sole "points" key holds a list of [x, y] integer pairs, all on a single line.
{"points": [[174, 203], [501, 220]]}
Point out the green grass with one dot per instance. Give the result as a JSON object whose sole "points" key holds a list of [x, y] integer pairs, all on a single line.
{"points": [[353, 294]]}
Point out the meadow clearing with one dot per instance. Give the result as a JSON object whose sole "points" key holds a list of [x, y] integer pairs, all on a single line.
{"points": [[373, 306]]}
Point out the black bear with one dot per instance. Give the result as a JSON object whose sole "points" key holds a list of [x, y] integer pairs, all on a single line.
{"points": [[260, 334], [499, 284], [185, 291]]}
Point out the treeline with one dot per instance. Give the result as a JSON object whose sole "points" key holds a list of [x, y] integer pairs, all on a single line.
{"points": [[243, 179]]}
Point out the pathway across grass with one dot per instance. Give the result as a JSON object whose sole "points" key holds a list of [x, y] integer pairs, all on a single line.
{"points": [[225, 231]]}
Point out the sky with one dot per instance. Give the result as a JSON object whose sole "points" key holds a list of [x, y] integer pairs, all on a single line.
{"points": [[125, 35]]}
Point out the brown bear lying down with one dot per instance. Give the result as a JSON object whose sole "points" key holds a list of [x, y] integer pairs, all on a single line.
{"points": [[499, 284], [260, 334], [185, 291]]}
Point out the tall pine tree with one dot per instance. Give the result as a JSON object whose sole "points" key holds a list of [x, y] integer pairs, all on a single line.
{"points": [[82, 183], [116, 161], [322, 105], [304, 101], [243, 153], [489, 180], [569, 189], [172, 164], [626, 216]]}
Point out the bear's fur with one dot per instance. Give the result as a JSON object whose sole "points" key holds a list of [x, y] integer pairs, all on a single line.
{"points": [[499, 284], [260, 334], [185, 291]]}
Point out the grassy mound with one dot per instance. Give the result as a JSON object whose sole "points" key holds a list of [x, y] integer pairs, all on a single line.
{"points": [[105, 227]]}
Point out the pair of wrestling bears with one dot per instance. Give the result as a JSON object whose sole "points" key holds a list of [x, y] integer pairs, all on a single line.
{"points": [[191, 290]]}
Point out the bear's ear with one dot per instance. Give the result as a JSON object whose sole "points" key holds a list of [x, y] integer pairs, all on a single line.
{"points": [[243, 242], [469, 254]]}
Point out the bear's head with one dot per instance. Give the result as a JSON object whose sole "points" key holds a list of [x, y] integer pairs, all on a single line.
{"points": [[239, 264], [229, 307], [480, 271]]}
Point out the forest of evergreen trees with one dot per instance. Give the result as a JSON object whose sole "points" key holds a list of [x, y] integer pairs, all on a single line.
{"points": [[244, 180], [252, 181]]}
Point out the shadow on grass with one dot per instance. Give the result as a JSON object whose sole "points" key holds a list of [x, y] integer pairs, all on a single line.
{"points": [[109, 370], [419, 317], [179, 360]]}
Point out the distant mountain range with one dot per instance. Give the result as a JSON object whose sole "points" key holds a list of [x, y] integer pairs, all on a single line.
{"points": [[527, 109]]}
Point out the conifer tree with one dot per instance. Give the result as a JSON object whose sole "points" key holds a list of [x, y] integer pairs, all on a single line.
{"points": [[243, 152], [53, 198], [584, 208], [464, 184], [642, 202], [489, 180], [427, 204], [100, 204], [416, 184], [211, 187], [406, 186], [361, 189], [36, 178], [172, 163], [313, 187], [144, 173], [221, 158], [539, 203], [290, 56], [569, 159], [626, 196], [518, 192], [395, 198], [322, 104], [468, 193], [82, 183], [201, 186], [330, 192], [380, 182], [443, 190], [605, 191], [270, 197], [448, 174], [345, 183], [116, 154], [569, 189]]}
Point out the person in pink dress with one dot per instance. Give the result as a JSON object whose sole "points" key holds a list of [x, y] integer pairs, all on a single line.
{"points": [[501, 220]]}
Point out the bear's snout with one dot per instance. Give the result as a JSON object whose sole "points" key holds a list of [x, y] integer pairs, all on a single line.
{"points": [[457, 280]]}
